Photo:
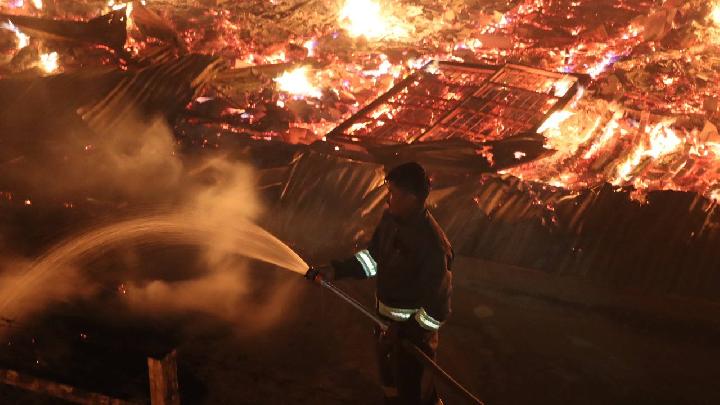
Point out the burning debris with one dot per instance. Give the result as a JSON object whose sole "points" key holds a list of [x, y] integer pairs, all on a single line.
{"points": [[558, 93], [294, 70]]}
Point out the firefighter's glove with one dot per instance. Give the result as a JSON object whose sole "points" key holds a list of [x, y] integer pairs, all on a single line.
{"points": [[320, 273]]}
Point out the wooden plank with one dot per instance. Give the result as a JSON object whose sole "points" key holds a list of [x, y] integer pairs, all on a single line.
{"points": [[56, 390]]}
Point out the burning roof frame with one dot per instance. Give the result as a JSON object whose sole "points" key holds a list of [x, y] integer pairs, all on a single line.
{"points": [[492, 78]]}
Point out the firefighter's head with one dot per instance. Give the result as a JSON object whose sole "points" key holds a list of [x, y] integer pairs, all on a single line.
{"points": [[409, 187]]}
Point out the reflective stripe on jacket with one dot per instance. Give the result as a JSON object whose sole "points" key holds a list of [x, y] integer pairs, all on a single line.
{"points": [[411, 260], [403, 314]]}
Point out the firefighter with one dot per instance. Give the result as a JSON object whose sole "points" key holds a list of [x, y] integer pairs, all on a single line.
{"points": [[411, 257]]}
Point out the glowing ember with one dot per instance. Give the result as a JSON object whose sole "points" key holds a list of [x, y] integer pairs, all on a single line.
{"points": [[49, 62], [23, 40], [296, 82], [366, 18]]}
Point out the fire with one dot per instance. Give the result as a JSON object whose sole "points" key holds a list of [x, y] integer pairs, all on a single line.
{"points": [[382, 69], [276, 57], [23, 40], [128, 11], [596, 70], [662, 141], [49, 62], [562, 86], [715, 196], [310, 45], [715, 14], [588, 140], [297, 82], [554, 121], [607, 135], [366, 18]]}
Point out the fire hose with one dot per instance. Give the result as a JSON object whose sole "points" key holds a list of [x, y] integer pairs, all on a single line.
{"points": [[312, 274]]}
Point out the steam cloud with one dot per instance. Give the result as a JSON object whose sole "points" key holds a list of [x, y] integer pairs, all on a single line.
{"points": [[140, 165]]}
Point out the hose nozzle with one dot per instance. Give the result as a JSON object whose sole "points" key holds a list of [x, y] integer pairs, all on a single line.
{"points": [[312, 274]]}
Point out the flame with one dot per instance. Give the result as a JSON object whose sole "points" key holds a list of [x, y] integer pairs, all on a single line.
{"points": [[278, 56], [129, 23], [554, 121], [297, 82], [562, 86], [715, 14], [715, 196], [608, 133], [38, 4], [384, 109], [662, 141], [366, 18], [382, 69], [310, 45], [600, 67], [49, 62], [572, 134], [23, 40]]}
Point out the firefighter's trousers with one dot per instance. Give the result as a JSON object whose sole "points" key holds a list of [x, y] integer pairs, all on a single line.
{"points": [[405, 380]]}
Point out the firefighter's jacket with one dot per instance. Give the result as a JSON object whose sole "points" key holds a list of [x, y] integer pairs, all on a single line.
{"points": [[412, 261]]}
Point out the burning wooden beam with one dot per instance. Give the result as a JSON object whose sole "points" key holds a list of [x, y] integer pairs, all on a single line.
{"points": [[108, 29]]}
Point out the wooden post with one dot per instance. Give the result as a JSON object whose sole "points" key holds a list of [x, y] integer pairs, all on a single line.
{"points": [[163, 380]]}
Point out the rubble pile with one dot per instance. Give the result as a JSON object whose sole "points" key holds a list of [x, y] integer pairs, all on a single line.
{"points": [[565, 102]]}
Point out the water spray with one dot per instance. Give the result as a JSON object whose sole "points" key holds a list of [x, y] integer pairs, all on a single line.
{"points": [[313, 274]]}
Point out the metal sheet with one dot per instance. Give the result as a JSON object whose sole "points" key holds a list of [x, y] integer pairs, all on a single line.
{"points": [[329, 203]]}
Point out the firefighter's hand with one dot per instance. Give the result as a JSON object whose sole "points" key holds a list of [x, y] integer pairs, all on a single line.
{"points": [[319, 273]]}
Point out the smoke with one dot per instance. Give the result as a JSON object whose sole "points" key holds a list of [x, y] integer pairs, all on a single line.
{"points": [[57, 286], [138, 160], [226, 199], [139, 165], [218, 292], [135, 161], [227, 292]]}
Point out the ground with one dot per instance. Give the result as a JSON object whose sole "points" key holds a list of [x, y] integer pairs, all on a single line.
{"points": [[516, 336]]}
